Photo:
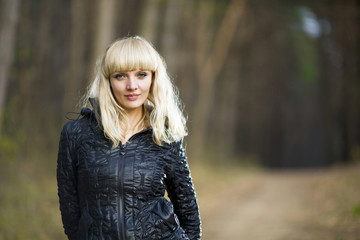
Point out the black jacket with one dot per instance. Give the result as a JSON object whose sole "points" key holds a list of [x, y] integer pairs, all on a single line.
{"points": [[118, 193]]}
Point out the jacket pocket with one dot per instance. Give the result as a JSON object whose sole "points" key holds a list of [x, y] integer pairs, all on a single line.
{"points": [[167, 223], [84, 225]]}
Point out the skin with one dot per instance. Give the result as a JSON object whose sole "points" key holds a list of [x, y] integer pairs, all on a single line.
{"points": [[130, 90]]}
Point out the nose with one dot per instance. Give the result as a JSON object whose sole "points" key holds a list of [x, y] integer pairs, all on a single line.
{"points": [[132, 83]]}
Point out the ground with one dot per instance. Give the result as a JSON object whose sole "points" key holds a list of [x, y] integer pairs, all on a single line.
{"points": [[236, 203], [275, 205]]}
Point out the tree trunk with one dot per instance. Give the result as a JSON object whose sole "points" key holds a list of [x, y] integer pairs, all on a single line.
{"points": [[170, 46], [75, 75], [8, 21], [149, 22], [210, 71], [346, 31], [105, 28]]}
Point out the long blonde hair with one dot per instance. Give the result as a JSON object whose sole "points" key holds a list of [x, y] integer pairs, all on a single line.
{"points": [[162, 108]]}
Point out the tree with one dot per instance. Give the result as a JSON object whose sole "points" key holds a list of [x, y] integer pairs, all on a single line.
{"points": [[8, 21], [210, 63]]}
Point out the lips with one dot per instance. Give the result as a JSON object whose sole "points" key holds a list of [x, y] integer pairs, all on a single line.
{"points": [[132, 97]]}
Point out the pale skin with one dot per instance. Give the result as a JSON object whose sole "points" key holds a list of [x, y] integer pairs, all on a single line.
{"points": [[131, 90]]}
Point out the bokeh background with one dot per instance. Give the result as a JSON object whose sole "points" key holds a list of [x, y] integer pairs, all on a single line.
{"points": [[271, 90]]}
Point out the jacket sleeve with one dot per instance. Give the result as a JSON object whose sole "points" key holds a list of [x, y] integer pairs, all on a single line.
{"points": [[67, 185], [182, 193]]}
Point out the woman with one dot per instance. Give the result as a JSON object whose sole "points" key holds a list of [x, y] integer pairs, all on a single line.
{"points": [[116, 162]]}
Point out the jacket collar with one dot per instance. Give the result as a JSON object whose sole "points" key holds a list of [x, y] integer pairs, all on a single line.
{"points": [[86, 112]]}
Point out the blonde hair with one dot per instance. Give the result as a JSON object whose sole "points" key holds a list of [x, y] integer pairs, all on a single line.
{"points": [[162, 109]]}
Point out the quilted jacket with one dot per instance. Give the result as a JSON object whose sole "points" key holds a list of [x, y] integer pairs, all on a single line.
{"points": [[118, 193]]}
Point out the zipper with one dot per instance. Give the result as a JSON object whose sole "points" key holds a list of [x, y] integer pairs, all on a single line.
{"points": [[121, 166], [121, 193]]}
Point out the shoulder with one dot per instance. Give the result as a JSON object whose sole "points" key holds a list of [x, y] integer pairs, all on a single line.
{"points": [[175, 149], [77, 126], [177, 145]]}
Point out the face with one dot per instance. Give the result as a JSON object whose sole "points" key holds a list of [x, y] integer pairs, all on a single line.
{"points": [[131, 89]]}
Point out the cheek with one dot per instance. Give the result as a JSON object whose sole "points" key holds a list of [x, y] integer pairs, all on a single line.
{"points": [[116, 88], [147, 86]]}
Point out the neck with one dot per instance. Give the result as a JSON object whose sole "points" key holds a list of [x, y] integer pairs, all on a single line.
{"points": [[134, 117]]}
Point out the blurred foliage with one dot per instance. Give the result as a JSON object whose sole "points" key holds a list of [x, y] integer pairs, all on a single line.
{"points": [[12, 134], [29, 203], [8, 148], [356, 210]]}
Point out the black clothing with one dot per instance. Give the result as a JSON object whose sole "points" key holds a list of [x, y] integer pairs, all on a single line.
{"points": [[118, 193]]}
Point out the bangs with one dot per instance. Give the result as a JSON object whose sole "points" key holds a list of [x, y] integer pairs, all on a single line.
{"points": [[129, 55]]}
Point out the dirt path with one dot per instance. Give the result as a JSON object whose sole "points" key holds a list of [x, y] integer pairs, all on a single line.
{"points": [[266, 206]]}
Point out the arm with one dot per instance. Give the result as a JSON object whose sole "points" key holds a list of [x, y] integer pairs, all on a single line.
{"points": [[182, 193], [67, 186]]}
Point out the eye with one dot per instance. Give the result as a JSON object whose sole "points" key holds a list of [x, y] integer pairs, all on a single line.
{"points": [[119, 76], [142, 74]]}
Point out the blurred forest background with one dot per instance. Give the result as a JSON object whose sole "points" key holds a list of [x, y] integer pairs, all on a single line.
{"points": [[266, 84]]}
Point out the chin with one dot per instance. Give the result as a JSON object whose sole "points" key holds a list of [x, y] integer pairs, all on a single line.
{"points": [[132, 107]]}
